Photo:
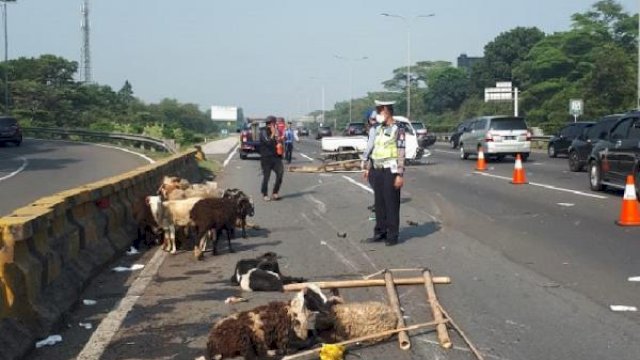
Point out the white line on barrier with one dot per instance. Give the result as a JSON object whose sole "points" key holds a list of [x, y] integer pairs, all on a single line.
{"points": [[550, 187], [306, 157], [108, 327], [358, 184], [226, 162], [25, 163]]}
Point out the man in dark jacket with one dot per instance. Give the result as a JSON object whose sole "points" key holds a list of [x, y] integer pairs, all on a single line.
{"points": [[270, 160]]}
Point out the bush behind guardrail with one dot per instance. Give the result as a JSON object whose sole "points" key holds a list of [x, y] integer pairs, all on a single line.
{"points": [[51, 248]]}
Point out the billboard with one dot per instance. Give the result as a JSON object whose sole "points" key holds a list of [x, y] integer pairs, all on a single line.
{"points": [[224, 113]]}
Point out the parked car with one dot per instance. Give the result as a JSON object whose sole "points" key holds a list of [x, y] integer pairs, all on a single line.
{"points": [[322, 132], [498, 136], [303, 131], [617, 155], [454, 138], [425, 139], [560, 142], [10, 131], [581, 146], [354, 129]]}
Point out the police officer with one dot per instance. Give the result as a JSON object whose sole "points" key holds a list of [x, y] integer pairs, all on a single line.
{"points": [[385, 172]]}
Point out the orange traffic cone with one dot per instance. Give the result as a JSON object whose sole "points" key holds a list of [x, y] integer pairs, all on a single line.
{"points": [[519, 177], [629, 214], [481, 165]]}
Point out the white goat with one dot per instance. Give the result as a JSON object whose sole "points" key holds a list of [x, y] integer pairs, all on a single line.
{"points": [[169, 215]]}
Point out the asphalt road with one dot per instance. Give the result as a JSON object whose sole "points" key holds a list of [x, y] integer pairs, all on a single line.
{"points": [[534, 267], [40, 168]]}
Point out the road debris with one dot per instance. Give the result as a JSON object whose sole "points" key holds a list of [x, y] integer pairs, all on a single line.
{"points": [[50, 341], [132, 251], [342, 234], [85, 325], [412, 223], [235, 300], [89, 302], [133, 267]]}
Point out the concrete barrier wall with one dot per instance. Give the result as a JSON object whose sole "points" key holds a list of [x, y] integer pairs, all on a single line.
{"points": [[51, 248]]}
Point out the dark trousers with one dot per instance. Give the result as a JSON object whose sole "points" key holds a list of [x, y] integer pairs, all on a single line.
{"points": [[288, 150], [271, 164], [387, 203]]}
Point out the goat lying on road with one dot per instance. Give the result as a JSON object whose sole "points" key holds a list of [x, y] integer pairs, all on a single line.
{"points": [[261, 274]]}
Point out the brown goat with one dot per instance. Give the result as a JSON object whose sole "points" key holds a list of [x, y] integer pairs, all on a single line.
{"points": [[214, 214]]}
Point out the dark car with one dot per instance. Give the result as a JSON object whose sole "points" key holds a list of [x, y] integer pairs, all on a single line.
{"points": [[454, 138], [582, 145], [322, 132], [422, 135], [560, 142], [10, 131], [617, 155], [303, 131], [354, 129]]}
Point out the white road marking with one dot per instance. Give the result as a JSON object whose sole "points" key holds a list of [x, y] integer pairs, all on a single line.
{"points": [[108, 327], [634, 279], [550, 187], [150, 160], [622, 308], [306, 157], [322, 207], [24, 165], [365, 187], [566, 204], [226, 162]]}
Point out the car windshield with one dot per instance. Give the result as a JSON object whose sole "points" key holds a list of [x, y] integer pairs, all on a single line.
{"points": [[508, 124], [418, 125], [7, 122]]}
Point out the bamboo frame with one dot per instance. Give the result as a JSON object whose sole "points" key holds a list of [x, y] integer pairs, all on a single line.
{"points": [[432, 300], [366, 283], [403, 336], [313, 353]]}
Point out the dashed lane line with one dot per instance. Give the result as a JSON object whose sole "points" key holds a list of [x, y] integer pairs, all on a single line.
{"points": [[546, 186], [233, 152], [24, 165], [365, 187], [306, 157]]}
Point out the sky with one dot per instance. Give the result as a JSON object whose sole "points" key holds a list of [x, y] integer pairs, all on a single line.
{"points": [[270, 57]]}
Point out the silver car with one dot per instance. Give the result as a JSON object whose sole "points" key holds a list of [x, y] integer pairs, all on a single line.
{"points": [[498, 136]]}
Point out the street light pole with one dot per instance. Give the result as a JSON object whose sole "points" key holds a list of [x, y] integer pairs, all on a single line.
{"points": [[6, 56], [350, 60], [322, 88], [408, 22]]}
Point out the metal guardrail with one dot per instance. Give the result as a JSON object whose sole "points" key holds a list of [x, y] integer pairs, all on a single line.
{"points": [[139, 141]]}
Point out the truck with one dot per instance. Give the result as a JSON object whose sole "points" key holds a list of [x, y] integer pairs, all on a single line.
{"points": [[250, 137], [352, 147]]}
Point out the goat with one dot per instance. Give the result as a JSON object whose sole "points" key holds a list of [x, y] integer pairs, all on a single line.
{"points": [[213, 214], [208, 189], [171, 214], [254, 334], [244, 205], [261, 274], [148, 230]]}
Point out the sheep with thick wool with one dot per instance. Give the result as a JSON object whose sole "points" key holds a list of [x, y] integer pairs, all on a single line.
{"points": [[279, 327], [340, 321]]}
